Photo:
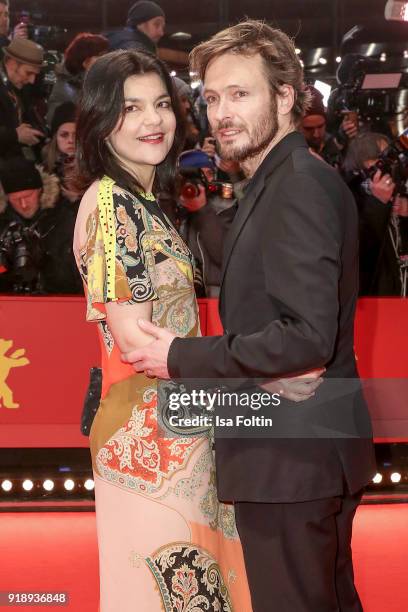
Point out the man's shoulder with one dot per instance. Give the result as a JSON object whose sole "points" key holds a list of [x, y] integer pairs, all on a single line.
{"points": [[292, 160], [305, 164], [303, 161], [128, 38], [304, 178]]}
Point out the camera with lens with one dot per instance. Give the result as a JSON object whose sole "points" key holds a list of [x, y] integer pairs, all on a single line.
{"points": [[393, 161], [45, 35], [50, 37], [192, 174], [372, 89], [21, 257]]}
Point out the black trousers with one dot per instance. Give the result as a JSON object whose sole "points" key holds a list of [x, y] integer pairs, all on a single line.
{"points": [[298, 555]]}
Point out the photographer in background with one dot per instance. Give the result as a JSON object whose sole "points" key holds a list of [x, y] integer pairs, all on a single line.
{"points": [[229, 171], [20, 125], [192, 132], [314, 127], [20, 31], [36, 233], [145, 26], [209, 208], [383, 216]]}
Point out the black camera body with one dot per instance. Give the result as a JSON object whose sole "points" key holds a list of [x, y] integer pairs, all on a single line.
{"points": [[376, 90], [21, 256], [393, 161], [190, 180]]}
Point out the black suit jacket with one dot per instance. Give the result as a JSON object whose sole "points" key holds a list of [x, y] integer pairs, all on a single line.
{"points": [[288, 297]]}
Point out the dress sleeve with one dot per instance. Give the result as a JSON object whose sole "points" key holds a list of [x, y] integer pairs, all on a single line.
{"points": [[119, 267]]}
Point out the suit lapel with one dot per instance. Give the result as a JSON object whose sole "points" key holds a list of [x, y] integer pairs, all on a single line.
{"points": [[254, 190], [245, 207]]}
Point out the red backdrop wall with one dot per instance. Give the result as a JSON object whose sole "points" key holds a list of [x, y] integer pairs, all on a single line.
{"points": [[52, 335]]}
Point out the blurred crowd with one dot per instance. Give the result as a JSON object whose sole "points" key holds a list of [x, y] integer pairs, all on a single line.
{"points": [[38, 204]]}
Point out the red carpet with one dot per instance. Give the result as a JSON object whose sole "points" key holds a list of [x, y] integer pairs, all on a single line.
{"points": [[57, 552], [380, 549], [50, 552]]}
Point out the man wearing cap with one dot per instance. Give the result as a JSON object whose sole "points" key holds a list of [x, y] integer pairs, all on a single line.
{"points": [[23, 60], [144, 28]]}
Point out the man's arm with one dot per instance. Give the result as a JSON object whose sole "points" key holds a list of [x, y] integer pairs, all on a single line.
{"points": [[301, 251]]}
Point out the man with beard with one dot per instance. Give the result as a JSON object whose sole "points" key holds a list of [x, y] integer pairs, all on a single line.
{"points": [[328, 147], [314, 130], [287, 303], [23, 60]]}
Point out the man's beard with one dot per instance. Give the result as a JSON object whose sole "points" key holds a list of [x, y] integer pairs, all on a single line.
{"points": [[262, 134]]}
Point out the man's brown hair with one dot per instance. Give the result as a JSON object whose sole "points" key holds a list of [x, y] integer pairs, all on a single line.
{"points": [[253, 37]]}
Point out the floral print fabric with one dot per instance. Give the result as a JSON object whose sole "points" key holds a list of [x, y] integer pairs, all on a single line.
{"points": [[165, 541]]}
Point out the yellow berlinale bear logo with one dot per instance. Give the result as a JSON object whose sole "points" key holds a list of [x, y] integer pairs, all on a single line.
{"points": [[7, 362]]}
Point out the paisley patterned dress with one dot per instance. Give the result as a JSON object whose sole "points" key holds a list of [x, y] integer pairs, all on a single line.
{"points": [[165, 541]]}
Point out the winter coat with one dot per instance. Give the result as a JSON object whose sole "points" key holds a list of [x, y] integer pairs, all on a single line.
{"points": [[130, 38], [204, 232], [67, 88], [54, 222], [380, 272], [16, 107]]}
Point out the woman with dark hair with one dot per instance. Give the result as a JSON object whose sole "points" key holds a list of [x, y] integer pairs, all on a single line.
{"points": [[79, 56], [59, 153], [165, 542]]}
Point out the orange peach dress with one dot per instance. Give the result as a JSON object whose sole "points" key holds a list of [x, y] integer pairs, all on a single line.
{"points": [[165, 541]]}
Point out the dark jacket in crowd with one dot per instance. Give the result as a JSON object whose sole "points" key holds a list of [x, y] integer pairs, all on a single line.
{"points": [[130, 38], [11, 109], [331, 152], [16, 107], [51, 254], [380, 271], [67, 88], [204, 232]]}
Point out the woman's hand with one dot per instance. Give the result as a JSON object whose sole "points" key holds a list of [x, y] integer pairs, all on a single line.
{"points": [[297, 388]]}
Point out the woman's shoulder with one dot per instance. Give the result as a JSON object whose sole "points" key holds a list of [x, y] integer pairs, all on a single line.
{"points": [[123, 193], [90, 197], [87, 207], [120, 192], [132, 202], [102, 186]]}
